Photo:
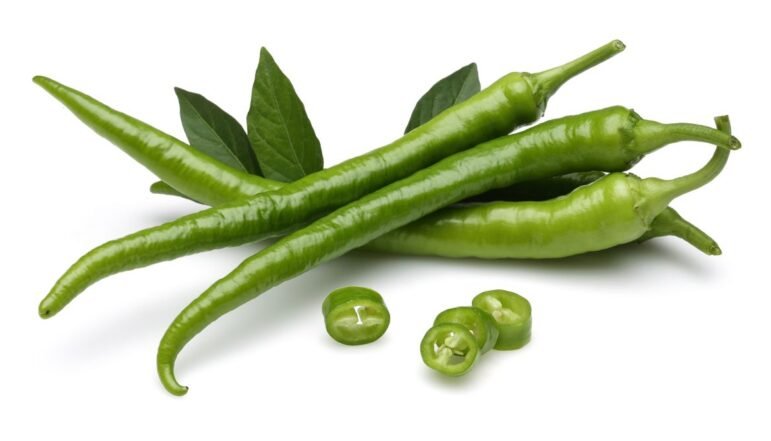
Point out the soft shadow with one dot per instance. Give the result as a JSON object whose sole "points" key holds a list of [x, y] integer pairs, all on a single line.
{"points": [[278, 308], [483, 370], [300, 297], [113, 332], [618, 259]]}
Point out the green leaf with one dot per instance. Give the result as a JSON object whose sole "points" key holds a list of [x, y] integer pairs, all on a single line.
{"points": [[281, 133], [450, 90], [212, 131]]}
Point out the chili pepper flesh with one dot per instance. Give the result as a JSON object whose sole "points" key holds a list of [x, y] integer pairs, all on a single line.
{"points": [[449, 348], [355, 315], [512, 315], [478, 322]]}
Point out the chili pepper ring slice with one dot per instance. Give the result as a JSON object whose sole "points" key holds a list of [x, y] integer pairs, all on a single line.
{"points": [[355, 315], [478, 322], [512, 314], [450, 349]]}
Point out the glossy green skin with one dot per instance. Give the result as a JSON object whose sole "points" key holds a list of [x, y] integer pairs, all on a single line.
{"points": [[609, 139], [616, 209], [514, 100], [479, 323], [668, 223], [184, 168], [559, 227], [450, 349], [512, 314], [538, 190], [355, 315]]}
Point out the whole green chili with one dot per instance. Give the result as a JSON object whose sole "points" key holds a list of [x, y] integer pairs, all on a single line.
{"points": [[466, 214], [555, 228], [610, 139], [515, 99]]}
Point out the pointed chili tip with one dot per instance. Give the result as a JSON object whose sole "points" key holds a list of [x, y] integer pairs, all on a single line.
{"points": [[40, 80], [734, 143], [169, 381], [176, 389], [48, 84], [44, 310], [715, 250]]}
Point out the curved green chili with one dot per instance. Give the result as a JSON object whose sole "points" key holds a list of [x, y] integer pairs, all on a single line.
{"points": [[610, 139], [184, 168], [515, 99], [355, 315], [425, 232], [520, 230], [556, 228]]}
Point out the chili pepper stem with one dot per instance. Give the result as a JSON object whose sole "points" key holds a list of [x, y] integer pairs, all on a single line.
{"points": [[670, 223], [650, 135], [550, 80], [659, 192]]}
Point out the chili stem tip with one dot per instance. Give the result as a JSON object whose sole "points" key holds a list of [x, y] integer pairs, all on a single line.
{"points": [[734, 143], [618, 45]]}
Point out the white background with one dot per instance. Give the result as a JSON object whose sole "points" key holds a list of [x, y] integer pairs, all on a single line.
{"points": [[644, 342]]}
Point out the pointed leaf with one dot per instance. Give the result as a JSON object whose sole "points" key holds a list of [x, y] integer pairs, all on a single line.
{"points": [[450, 90], [212, 131], [281, 134]]}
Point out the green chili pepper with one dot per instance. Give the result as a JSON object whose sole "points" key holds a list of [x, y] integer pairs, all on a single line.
{"points": [[355, 315], [184, 168], [610, 139], [432, 229], [537, 230], [512, 315], [479, 323], [449, 348], [555, 228], [515, 99]]}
